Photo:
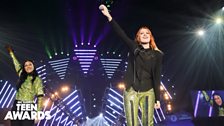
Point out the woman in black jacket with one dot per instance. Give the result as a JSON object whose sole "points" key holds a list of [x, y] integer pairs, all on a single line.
{"points": [[142, 78]]}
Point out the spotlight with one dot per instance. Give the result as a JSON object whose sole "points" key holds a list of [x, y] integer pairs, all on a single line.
{"points": [[222, 8], [166, 96], [218, 20], [169, 107], [76, 45], [200, 32], [161, 88], [45, 103], [121, 86], [64, 89], [101, 114], [52, 96], [55, 93]]}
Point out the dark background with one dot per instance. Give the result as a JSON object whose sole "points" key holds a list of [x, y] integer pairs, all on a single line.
{"points": [[34, 26]]}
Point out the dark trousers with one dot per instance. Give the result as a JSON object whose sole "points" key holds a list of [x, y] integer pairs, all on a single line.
{"points": [[20, 122]]}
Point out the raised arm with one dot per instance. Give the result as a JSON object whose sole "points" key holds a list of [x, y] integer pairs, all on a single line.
{"points": [[14, 59], [207, 98], [116, 27]]}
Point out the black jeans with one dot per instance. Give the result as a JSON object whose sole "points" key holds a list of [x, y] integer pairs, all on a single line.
{"points": [[20, 122]]}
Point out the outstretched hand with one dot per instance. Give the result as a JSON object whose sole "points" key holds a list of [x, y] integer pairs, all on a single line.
{"points": [[157, 105], [8, 48], [105, 12]]}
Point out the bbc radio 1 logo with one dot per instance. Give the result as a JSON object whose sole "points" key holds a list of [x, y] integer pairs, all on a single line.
{"points": [[27, 111]]}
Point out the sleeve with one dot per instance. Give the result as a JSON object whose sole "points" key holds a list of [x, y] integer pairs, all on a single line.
{"points": [[157, 74], [16, 63], [207, 98], [120, 32], [39, 94]]}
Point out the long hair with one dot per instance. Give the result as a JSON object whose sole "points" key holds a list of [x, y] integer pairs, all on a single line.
{"points": [[24, 74], [152, 42], [215, 105]]}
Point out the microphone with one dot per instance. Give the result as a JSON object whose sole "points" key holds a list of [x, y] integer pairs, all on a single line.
{"points": [[101, 7]]}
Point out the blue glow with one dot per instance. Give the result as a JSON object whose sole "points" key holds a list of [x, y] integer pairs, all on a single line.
{"points": [[62, 70], [3, 87], [85, 63], [111, 114], [116, 99], [85, 69], [84, 50], [116, 93], [110, 67], [61, 65], [113, 110], [110, 64], [64, 67], [85, 56], [75, 105], [85, 59], [5, 93], [109, 119], [55, 61], [72, 100], [11, 99], [77, 109], [87, 66], [85, 53], [114, 104], [111, 59], [70, 95], [7, 97]]}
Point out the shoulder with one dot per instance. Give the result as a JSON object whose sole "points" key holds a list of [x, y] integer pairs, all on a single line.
{"points": [[158, 52], [38, 79]]}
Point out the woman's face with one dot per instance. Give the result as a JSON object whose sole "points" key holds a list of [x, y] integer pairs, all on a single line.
{"points": [[218, 100], [144, 35], [29, 67]]}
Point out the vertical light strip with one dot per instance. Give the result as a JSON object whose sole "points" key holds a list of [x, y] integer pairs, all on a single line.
{"points": [[196, 105], [211, 107]]}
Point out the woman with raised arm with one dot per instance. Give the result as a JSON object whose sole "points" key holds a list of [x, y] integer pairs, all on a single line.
{"points": [[28, 86], [216, 102], [142, 78]]}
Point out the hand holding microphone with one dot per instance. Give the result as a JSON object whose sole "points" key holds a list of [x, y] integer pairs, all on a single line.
{"points": [[8, 48], [157, 105], [105, 12], [101, 7]]}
